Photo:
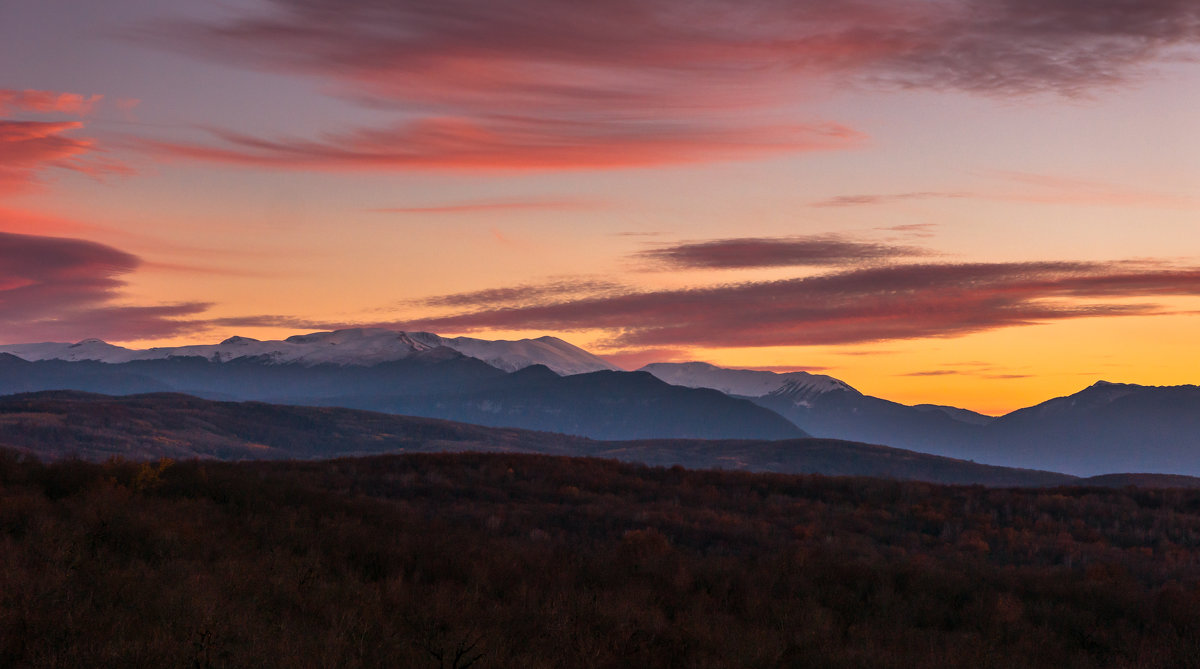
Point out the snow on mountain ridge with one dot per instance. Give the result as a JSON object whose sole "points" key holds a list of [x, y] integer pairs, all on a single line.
{"points": [[360, 346], [560, 356], [803, 391], [744, 382]]}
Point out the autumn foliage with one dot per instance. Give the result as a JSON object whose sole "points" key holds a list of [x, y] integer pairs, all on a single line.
{"points": [[506, 560]]}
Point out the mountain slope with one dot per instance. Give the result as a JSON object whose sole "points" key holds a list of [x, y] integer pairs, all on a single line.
{"points": [[95, 427], [851, 415], [1103, 428], [828, 407], [601, 405], [743, 382]]}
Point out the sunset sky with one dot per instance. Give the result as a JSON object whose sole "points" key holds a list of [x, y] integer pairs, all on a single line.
{"points": [[983, 203]]}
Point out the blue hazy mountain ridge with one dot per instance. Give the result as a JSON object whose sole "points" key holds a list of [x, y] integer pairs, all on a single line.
{"points": [[601, 405], [57, 424], [1106, 427], [1103, 428], [439, 383], [1140, 428]]}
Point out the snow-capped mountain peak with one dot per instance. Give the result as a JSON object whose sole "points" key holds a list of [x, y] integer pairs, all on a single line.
{"points": [[562, 357], [356, 346], [745, 382], [802, 391], [87, 349]]}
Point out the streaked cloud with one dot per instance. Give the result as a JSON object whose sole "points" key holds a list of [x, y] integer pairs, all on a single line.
{"points": [[54, 288], [617, 55], [523, 294], [1034, 188], [47, 102], [477, 206], [1054, 189], [757, 252], [540, 84], [514, 144], [858, 200], [23, 221], [27, 147], [905, 301]]}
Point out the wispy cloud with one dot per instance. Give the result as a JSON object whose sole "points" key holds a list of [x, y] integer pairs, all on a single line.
{"points": [[27, 147], [47, 102], [541, 84], [22, 221], [859, 200], [523, 294], [1035, 188], [906, 301], [514, 143], [1066, 47], [1053, 189], [758, 252], [494, 206]]}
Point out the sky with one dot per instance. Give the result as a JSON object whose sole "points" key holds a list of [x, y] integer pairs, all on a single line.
{"points": [[981, 203]]}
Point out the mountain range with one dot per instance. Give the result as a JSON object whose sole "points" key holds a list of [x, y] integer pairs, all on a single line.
{"points": [[548, 384], [409, 373], [58, 424], [362, 347], [1105, 427]]}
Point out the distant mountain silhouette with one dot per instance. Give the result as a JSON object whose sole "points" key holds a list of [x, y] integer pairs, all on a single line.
{"points": [[841, 414], [1104, 428], [602, 405], [1107, 427], [437, 382], [828, 407], [249, 378], [96, 427]]}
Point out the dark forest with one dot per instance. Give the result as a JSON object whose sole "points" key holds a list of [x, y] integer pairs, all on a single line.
{"points": [[503, 560]]}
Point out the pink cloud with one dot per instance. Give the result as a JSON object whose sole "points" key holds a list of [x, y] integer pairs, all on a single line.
{"points": [[673, 54], [27, 147], [856, 200], [515, 143], [494, 206], [27, 222], [47, 102], [542, 84]]}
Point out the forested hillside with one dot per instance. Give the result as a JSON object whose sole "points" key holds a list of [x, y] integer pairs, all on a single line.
{"points": [[506, 560]]}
